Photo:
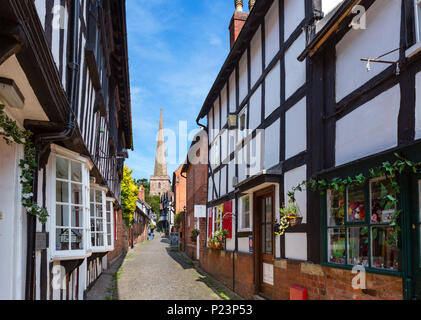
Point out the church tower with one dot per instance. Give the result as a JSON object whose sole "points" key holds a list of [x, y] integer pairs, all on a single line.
{"points": [[160, 181]]}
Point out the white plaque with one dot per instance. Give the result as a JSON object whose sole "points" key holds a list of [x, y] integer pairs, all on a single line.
{"points": [[199, 211], [268, 274]]}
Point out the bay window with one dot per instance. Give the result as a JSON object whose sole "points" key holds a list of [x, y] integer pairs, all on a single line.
{"points": [[98, 218], [358, 227], [68, 210], [110, 223]]}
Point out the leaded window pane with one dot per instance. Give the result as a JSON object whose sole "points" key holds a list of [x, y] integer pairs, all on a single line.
{"points": [[336, 245], [381, 206], [356, 207], [62, 216], [62, 168], [76, 171], [77, 217], [385, 250], [335, 208], [358, 246], [62, 192], [77, 194], [62, 239]]}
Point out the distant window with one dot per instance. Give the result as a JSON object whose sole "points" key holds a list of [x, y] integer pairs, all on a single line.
{"points": [[159, 186]]}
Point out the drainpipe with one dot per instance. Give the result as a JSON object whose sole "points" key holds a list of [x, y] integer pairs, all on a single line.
{"points": [[41, 143]]}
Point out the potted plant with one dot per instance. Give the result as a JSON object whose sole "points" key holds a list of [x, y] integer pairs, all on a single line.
{"points": [[218, 240], [290, 217], [194, 234]]}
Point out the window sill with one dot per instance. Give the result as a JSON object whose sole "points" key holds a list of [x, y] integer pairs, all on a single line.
{"points": [[412, 51], [383, 272], [77, 255]]}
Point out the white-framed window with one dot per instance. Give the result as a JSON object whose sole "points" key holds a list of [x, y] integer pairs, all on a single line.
{"points": [[418, 19], [98, 219], [245, 223], [110, 223], [68, 197]]}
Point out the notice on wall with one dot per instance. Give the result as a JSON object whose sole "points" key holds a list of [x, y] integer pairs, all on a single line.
{"points": [[268, 274], [199, 211]]}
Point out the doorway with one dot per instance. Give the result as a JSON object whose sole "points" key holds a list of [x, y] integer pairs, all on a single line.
{"points": [[264, 205]]}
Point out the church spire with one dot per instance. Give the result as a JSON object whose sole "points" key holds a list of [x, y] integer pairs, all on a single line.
{"points": [[160, 159]]}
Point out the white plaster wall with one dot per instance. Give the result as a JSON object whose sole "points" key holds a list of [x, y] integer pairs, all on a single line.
{"points": [[232, 90], [256, 152], [216, 178], [243, 77], [381, 35], [273, 90], [272, 32], [292, 179], [296, 246], [224, 106], [294, 13], [256, 56], [216, 114], [272, 145], [243, 245], [231, 175], [255, 110], [232, 141], [40, 7], [370, 129], [224, 146], [211, 130], [241, 158], [210, 189], [295, 71], [223, 181], [8, 200], [418, 106], [296, 129]]}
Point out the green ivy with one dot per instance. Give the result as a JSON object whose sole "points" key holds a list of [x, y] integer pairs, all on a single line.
{"points": [[11, 132], [389, 198]]}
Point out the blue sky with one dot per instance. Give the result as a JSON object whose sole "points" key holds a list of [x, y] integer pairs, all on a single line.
{"points": [[176, 49]]}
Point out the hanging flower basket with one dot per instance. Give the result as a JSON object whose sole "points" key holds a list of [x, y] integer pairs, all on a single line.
{"points": [[295, 221]]}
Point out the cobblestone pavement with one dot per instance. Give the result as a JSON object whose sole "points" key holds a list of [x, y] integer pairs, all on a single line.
{"points": [[153, 272]]}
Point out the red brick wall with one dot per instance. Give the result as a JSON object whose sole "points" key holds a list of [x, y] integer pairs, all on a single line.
{"points": [[179, 189], [120, 244], [322, 283]]}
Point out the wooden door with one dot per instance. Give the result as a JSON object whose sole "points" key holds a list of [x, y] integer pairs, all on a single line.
{"points": [[265, 249]]}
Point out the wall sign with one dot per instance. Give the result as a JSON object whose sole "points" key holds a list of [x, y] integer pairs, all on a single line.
{"points": [[41, 241], [268, 274], [251, 244], [199, 211]]}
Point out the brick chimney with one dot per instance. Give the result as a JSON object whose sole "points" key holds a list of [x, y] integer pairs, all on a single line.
{"points": [[237, 22], [142, 193]]}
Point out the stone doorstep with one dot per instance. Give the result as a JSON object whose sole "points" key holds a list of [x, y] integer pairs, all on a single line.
{"points": [[218, 284]]}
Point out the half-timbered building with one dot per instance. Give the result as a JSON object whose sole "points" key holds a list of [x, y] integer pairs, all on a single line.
{"points": [[67, 64], [293, 101]]}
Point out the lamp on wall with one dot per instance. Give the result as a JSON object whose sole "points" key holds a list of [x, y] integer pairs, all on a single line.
{"points": [[10, 92]]}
